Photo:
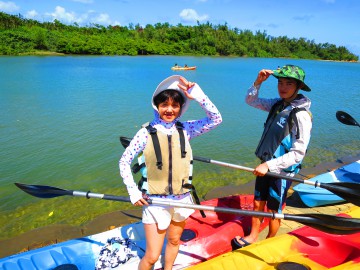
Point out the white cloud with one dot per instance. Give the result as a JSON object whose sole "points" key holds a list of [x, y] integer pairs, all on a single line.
{"points": [[61, 15], [31, 14], [103, 19], [8, 6], [190, 15], [90, 16]]}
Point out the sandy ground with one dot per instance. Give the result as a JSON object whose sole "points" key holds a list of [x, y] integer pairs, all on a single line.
{"points": [[58, 233]]}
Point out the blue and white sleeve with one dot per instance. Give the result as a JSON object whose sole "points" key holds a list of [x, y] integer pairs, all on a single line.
{"points": [[213, 117]]}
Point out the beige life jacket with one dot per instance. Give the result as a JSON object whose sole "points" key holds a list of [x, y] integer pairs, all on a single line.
{"points": [[169, 166]]}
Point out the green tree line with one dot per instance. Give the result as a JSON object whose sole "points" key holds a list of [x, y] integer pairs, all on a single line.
{"points": [[19, 35]]}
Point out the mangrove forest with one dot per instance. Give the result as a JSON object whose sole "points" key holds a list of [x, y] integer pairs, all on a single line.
{"points": [[19, 36]]}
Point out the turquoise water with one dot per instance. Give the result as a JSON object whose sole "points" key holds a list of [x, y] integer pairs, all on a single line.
{"points": [[61, 118]]}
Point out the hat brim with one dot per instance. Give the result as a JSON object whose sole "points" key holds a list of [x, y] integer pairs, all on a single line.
{"points": [[171, 83], [277, 75]]}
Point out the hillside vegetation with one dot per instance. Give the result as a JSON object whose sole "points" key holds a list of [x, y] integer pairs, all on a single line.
{"points": [[19, 36]]}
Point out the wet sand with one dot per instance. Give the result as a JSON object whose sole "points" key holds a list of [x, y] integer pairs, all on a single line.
{"points": [[59, 233]]}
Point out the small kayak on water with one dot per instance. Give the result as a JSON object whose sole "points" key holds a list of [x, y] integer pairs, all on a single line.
{"points": [[183, 68], [203, 238], [301, 249], [316, 196]]}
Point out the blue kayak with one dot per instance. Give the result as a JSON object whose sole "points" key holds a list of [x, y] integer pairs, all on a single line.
{"points": [[316, 196], [78, 253]]}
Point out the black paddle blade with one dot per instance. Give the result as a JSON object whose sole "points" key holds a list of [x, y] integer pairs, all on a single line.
{"points": [[348, 191], [43, 191], [125, 141], [326, 223], [346, 118]]}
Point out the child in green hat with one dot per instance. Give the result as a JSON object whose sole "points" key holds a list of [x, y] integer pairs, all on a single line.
{"points": [[283, 144]]}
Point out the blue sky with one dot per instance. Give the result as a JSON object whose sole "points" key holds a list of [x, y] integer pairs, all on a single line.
{"points": [[333, 21]]}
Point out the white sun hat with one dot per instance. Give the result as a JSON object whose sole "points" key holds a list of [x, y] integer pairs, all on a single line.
{"points": [[171, 83]]}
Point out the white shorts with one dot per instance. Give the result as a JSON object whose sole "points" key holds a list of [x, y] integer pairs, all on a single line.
{"points": [[162, 215]]}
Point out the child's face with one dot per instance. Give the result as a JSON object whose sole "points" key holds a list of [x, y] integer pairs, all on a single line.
{"points": [[169, 110], [287, 88]]}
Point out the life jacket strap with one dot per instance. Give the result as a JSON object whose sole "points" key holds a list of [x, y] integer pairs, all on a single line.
{"points": [[152, 131], [275, 109], [136, 168], [196, 197], [188, 186], [279, 106], [294, 118], [140, 184], [180, 128]]}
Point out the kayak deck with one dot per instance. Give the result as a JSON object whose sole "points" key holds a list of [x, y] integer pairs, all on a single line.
{"points": [[305, 246], [82, 251], [210, 237], [315, 196]]}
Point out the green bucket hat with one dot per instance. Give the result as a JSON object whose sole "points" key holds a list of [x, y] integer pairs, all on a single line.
{"points": [[294, 72]]}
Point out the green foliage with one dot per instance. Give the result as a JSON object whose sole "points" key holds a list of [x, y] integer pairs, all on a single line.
{"points": [[23, 36]]}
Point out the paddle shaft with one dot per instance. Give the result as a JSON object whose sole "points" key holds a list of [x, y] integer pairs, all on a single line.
{"points": [[348, 191], [226, 210], [321, 222], [125, 141], [234, 166], [50, 192]]}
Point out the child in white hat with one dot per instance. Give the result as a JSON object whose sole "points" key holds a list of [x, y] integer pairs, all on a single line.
{"points": [[167, 165]]}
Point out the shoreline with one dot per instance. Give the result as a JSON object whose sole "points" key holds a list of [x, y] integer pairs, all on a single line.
{"points": [[59, 233], [51, 53]]}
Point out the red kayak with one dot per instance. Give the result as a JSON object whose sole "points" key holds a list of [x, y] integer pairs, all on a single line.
{"points": [[302, 249], [329, 250], [213, 234]]}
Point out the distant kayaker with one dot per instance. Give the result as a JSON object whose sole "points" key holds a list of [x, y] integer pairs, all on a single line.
{"points": [[283, 144], [163, 147]]}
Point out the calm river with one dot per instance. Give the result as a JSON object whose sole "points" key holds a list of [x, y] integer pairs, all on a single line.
{"points": [[61, 118]]}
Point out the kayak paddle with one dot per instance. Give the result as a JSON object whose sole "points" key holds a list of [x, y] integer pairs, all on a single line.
{"points": [[325, 223], [346, 119], [348, 191]]}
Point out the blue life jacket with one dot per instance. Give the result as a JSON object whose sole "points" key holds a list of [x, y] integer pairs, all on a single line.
{"points": [[276, 139]]}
